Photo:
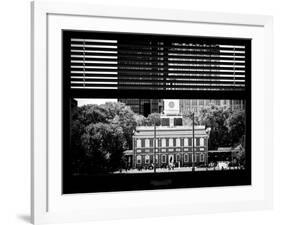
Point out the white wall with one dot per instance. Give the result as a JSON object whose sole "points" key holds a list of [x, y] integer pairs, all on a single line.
{"points": [[15, 109]]}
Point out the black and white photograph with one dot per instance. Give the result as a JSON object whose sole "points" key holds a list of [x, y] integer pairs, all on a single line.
{"points": [[153, 111], [157, 135]]}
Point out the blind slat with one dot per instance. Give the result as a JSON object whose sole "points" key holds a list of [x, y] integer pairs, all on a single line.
{"points": [[157, 62]]}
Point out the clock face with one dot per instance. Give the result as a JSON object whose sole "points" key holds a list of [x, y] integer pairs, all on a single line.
{"points": [[171, 104]]}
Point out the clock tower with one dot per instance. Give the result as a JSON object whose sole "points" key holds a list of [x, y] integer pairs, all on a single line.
{"points": [[171, 107]]}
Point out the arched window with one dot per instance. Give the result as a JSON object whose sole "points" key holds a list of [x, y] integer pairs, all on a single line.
{"points": [[147, 159], [163, 158], [138, 159]]}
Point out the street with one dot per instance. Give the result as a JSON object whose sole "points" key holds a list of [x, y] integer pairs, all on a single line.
{"points": [[181, 169]]}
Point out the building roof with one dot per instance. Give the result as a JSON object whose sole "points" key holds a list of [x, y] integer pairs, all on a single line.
{"points": [[165, 131]]}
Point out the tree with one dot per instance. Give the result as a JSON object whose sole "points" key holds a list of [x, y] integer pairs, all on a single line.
{"points": [[140, 119], [124, 117], [236, 124], [153, 119], [188, 119], [104, 145], [94, 125], [215, 118], [227, 126], [241, 157]]}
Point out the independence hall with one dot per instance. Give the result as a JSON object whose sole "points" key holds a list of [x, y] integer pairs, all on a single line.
{"points": [[171, 143]]}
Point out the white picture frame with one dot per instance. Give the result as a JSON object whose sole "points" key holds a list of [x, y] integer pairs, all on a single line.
{"points": [[45, 185]]}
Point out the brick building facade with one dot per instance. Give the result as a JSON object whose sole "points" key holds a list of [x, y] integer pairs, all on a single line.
{"points": [[173, 145]]}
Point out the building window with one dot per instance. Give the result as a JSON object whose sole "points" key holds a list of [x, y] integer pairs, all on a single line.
{"points": [[185, 142], [165, 122], [147, 143], [147, 159], [186, 157], [201, 141], [142, 143], [170, 142], [158, 143], [174, 142], [181, 140], [178, 142], [189, 141], [138, 143], [197, 141], [163, 142], [167, 142], [202, 158], [163, 158], [178, 122], [138, 159], [151, 142], [178, 157]]}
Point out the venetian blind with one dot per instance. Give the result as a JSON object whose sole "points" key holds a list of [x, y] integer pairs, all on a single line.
{"points": [[155, 62]]}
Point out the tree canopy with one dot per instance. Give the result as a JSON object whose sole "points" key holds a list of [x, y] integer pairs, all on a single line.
{"points": [[227, 126], [100, 134]]}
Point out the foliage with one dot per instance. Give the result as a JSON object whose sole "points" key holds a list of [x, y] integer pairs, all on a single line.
{"points": [[227, 127], [236, 125], [103, 144], [140, 119], [99, 136], [188, 119], [153, 119]]}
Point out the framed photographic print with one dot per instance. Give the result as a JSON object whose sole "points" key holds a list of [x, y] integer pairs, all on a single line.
{"points": [[150, 111], [141, 108]]}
